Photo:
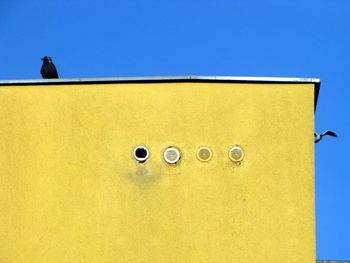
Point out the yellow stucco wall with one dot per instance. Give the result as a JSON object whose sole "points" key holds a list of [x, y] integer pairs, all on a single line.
{"points": [[71, 191]]}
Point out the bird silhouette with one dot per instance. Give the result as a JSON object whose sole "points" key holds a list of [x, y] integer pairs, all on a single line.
{"points": [[48, 69], [318, 137]]}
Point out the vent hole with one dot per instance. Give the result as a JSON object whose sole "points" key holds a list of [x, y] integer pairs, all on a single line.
{"points": [[141, 154], [171, 155]]}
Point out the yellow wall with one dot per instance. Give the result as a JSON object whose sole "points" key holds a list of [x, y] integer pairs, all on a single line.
{"points": [[70, 190]]}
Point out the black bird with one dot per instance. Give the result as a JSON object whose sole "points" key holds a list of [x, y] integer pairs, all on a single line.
{"points": [[48, 69], [318, 137]]}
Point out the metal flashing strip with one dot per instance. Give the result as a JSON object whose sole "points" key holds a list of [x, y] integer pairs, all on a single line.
{"points": [[159, 79]]}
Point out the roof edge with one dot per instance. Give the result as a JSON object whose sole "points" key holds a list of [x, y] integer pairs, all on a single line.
{"points": [[150, 79]]}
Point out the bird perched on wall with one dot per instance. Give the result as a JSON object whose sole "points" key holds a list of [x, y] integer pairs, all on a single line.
{"points": [[48, 69], [318, 137]]}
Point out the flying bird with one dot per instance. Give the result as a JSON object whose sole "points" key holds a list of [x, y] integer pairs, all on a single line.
{"points": [[318, 137], [48, 69]]}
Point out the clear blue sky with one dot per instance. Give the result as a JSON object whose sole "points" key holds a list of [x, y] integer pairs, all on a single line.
{"points": [[294, 38]]}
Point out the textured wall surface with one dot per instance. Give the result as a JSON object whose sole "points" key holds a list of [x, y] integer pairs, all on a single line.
{"points": [[71, 191]]}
